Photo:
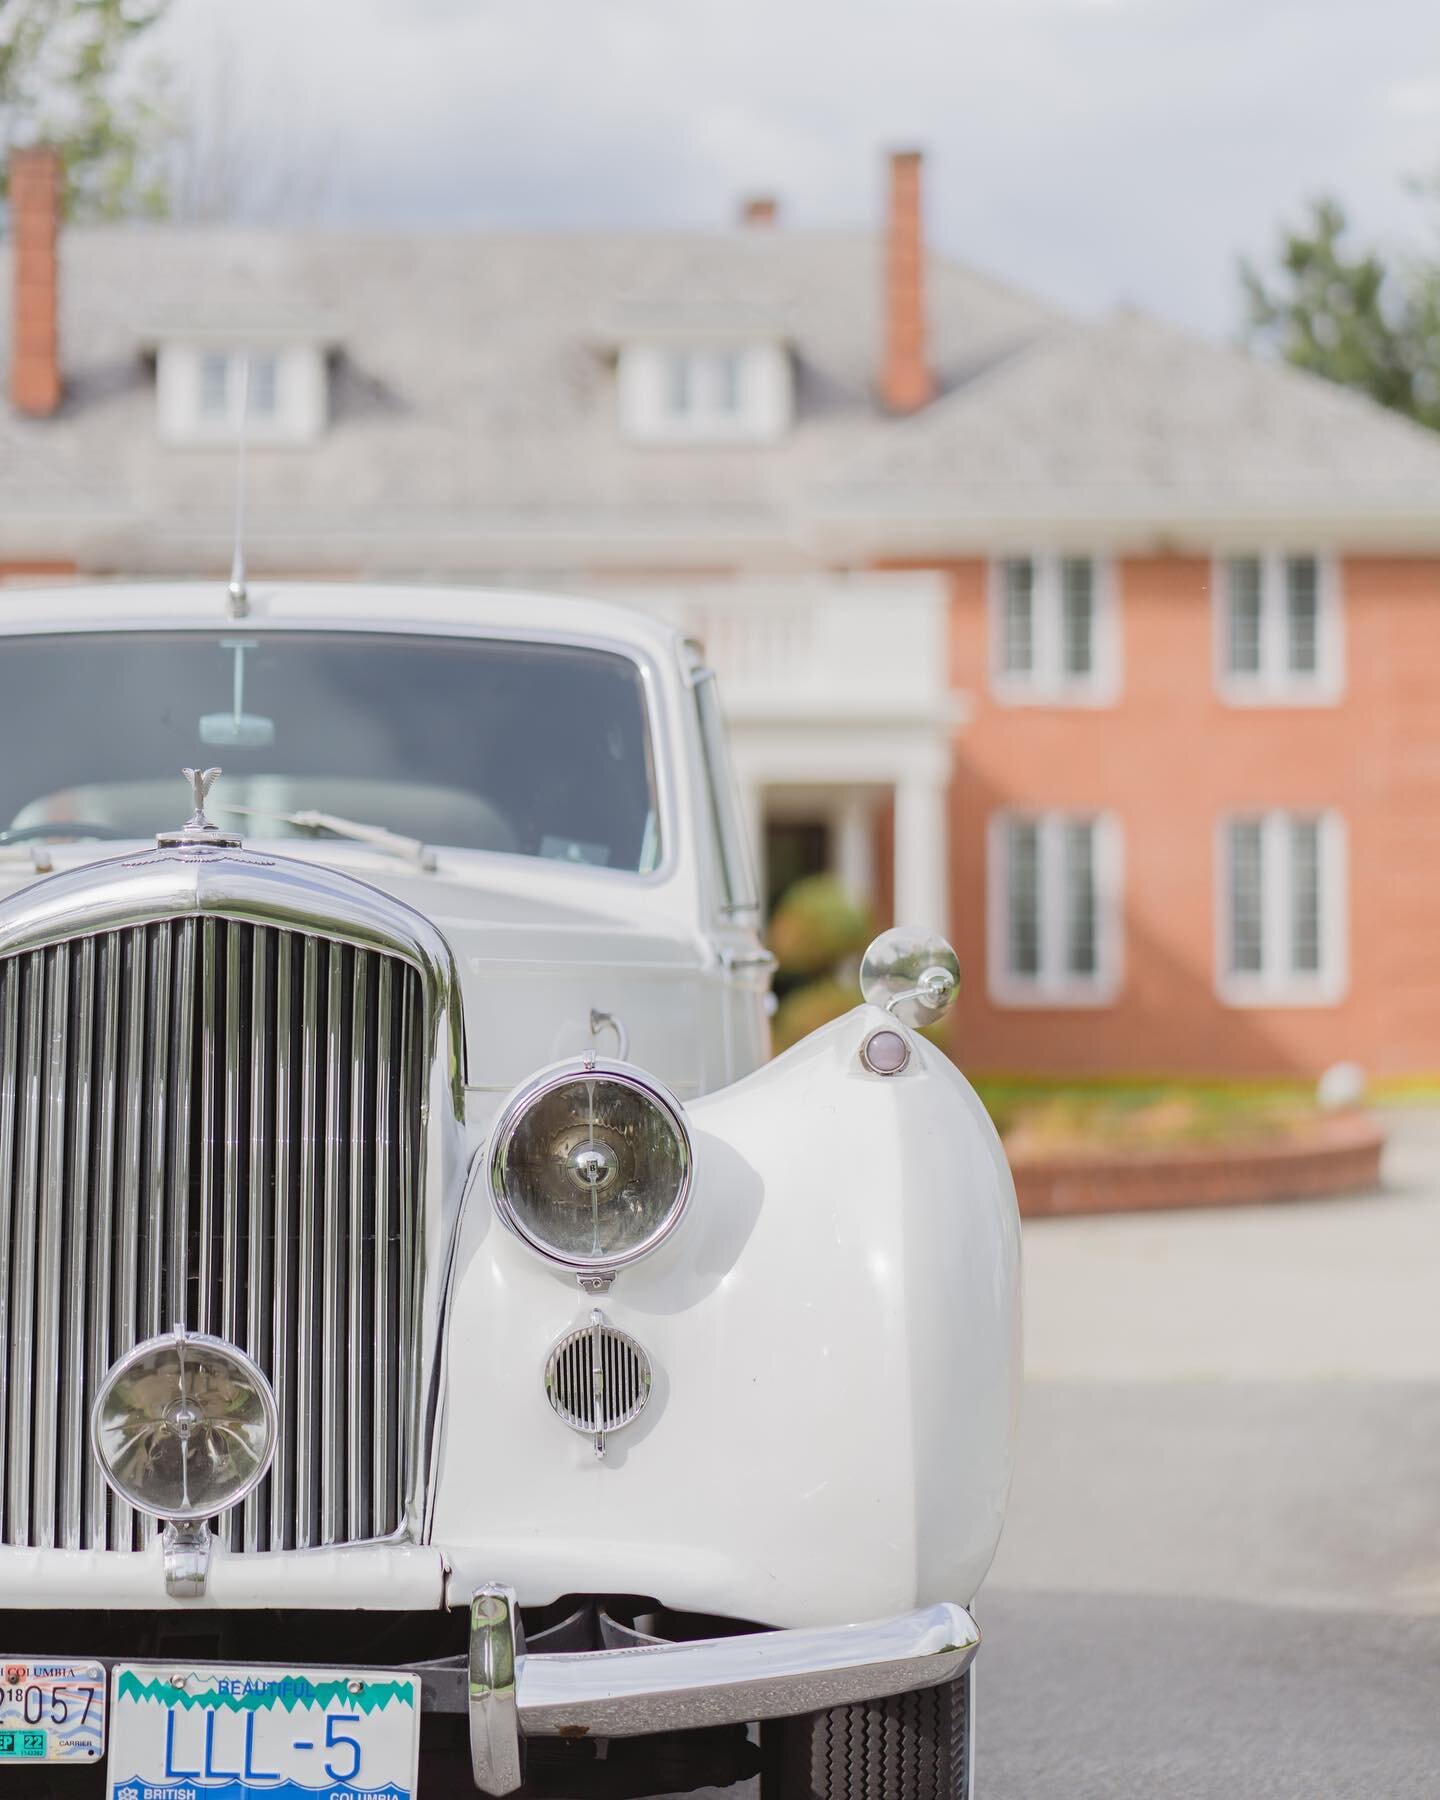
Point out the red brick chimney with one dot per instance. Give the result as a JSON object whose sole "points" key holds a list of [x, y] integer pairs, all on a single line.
{"points": [[905, 380], [759, 209], [35, 320]]}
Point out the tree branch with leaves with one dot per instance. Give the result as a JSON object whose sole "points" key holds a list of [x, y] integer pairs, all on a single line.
{"points": [[69, 76], [1350, 315]]}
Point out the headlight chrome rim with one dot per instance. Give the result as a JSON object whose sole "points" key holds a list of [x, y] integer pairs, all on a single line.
{"points": [[529, 1094], [178, 1340]]}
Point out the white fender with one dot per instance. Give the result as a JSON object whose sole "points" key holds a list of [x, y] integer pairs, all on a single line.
{"points": [[835, 1330]]}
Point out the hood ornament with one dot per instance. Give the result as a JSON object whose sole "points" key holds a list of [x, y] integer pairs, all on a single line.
{"points": [[201, 781], [197, 831]]}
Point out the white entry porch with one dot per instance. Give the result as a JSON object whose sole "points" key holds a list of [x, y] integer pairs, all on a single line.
{"points": [[842, 720]]}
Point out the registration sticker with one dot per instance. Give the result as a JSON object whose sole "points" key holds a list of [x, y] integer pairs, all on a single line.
{"points": [[51, 1710], [214, 1732]]}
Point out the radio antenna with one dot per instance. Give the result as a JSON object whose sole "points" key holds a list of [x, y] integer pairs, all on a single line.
{"points": [[238, 604]]}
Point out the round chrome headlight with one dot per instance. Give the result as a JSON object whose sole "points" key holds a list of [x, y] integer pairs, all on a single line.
{"points": [[591, 1165], [184, 1426]]}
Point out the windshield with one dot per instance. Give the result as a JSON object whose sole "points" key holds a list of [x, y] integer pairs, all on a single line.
{"points": [[531, 749]]}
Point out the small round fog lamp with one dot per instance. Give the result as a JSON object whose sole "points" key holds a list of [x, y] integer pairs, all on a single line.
{"points": [[184, 1426]]}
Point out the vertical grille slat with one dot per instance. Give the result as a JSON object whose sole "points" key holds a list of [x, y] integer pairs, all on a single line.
{"points": [[383, 1459], [9, 1106], [357, 1296], [97, 1356], [214, 1122], [332, 1269], [50, 1236], [74, 1394], [152, 1297], [406, 1117], [260, 1245], [281, 1364], [21, 1342], [209, 1132], [306, 1465], [230, 1195], [177, 1296]]}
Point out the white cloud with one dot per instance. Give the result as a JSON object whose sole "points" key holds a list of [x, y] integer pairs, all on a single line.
{"points": [[1415, 98], [1093, 149]]}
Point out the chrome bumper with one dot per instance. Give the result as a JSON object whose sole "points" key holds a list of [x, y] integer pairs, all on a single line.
{"points": [[676, 1687]]}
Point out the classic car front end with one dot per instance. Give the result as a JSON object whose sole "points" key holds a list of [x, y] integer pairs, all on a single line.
{"points": [[426, 1314]]}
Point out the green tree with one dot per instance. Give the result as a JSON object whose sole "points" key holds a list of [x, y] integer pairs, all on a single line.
{"points": [[1349, 315], [69, 77]]}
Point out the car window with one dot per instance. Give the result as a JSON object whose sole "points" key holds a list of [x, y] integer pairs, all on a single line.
{"points": [[531, 749]]}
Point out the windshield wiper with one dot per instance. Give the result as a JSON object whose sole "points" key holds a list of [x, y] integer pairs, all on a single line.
{"points": [[413, 850]]}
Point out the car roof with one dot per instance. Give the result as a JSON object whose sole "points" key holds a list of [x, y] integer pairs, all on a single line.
{"points": [[404, 610]]}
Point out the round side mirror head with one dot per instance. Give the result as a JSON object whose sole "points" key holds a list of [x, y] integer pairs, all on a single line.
{"points": [[913, 974]]}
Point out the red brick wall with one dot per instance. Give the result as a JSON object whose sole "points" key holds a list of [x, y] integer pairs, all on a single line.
{"points": [[1169, 758]]}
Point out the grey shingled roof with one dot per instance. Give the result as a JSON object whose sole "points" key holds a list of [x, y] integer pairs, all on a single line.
{"points": [[473, 395], [474, 425], [1129, 419]]}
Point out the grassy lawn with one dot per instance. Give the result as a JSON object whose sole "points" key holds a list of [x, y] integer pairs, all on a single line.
{"points": [[1053, 1117]]}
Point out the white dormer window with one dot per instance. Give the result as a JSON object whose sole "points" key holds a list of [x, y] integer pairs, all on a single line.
{"points": [[706, 384], [705, 393], [203, 390]]}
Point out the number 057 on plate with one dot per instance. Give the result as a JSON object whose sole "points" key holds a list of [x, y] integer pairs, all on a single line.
{"points": [[243, 1733]]}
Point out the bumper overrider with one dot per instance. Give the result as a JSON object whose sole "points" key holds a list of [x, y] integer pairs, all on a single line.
{"points": [[651, 1688]]}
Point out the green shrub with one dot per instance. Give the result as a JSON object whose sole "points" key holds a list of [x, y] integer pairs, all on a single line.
{"points": [[806, 1009], [816, 927]]}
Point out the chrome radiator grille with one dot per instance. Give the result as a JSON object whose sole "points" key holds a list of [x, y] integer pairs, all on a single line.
{"points": [[218, 1123]]}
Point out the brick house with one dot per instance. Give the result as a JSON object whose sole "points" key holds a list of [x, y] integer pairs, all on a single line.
{"points": [[1115, 649]]}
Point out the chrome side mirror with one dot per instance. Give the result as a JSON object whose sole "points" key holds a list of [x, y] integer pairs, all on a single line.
{"points": [[913, 974]]}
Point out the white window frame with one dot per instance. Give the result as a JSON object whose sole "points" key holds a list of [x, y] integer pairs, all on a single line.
{"points": [[1276, 684], [299, 413], [738, 391], [1276, 983], [1054, 986], [1047, 683]]}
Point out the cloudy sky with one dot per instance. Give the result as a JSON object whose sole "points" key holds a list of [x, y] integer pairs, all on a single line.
{"points": [[1093, 150]]}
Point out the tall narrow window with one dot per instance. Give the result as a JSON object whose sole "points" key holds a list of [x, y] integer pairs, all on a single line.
{"points": [[1077, 603], [680, 384], [1243, 617], [1053, 632], [1017, 654], [725, 372], [1302, 615], [1305, 903], [1023, 896], [1284, 895], [1279, 630], [1054, 909], [1246, 918], [215, 384], [1082, 947], [264, 394]]}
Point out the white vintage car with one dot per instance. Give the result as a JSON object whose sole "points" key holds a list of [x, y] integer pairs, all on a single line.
{"points": [[438, 1349]]}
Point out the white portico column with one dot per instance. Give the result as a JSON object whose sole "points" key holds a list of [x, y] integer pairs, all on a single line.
{"points": [[922, 849], [853, 823]]}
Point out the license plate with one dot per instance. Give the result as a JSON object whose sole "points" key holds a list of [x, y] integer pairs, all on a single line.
{"points": [[218, 1733], [51, 1711]]}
